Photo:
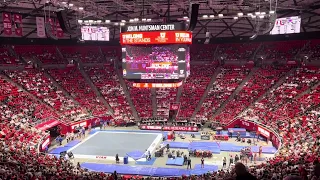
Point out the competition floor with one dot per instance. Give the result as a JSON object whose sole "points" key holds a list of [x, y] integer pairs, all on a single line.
{"points": [[106, 143]]}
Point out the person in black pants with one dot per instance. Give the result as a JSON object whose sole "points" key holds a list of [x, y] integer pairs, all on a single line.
{"points": [[231, 161], [189, 163], [202, 162], [117, 158], [224, 162]]}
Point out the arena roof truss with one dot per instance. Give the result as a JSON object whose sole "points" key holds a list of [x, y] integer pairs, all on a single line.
{"points": [[235, 21]]}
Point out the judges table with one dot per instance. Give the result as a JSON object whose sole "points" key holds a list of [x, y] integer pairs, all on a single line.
{"points": [[221, 137]]}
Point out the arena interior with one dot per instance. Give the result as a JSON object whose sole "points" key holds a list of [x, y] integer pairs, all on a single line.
{"points": [[167, 89]]}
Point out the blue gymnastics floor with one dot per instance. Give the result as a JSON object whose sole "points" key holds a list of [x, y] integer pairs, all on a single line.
{"points": [[58, 150], [148, 171], [215, 147], [175, 162]]}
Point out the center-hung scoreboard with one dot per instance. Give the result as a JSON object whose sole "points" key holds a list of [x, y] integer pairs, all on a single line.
{"points": [[155, 52]]}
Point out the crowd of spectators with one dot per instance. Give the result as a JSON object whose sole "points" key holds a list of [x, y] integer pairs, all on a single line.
{"points": [[74, 83], [6, 58], [259, 83], [225, 83], [280, 51], [45, 54], [39, 85], [165, 97], [18, 105], [292, 109], [236, 52], [107, 81], [203, 52], [142, 101], [193, 89]]}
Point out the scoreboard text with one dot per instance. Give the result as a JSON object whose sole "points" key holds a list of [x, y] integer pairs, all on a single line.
{"points": [[156, 37]]}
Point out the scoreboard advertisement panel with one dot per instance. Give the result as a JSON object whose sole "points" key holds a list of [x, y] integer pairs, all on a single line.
{"points": [[155, 62], [156, 37]]}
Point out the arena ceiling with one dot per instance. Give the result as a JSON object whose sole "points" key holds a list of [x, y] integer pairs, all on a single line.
{"points": [[124, 11]]}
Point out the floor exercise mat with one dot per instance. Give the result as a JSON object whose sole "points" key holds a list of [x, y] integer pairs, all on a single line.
{"points": [[72, 143], [243, 135], [205, 146], [225, 146], [149, 163], [265, 150], [58, 150], [169, 172], [175, 161], [136, 155], [197, 170], [136, 170], [177, 145]]}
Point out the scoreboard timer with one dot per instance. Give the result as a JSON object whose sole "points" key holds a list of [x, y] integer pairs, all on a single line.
{"points": [[156, 37]]}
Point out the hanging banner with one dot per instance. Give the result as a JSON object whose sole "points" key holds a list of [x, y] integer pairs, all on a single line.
{"points": [[41, 32], [51, 21], [17, 19], [59, 30], [7, 26]]}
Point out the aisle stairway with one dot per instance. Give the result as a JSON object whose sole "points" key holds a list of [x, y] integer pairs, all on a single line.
{"points": [[93, 87], [217, 71], [235, 92], [127, 94], [275, 86], [154, 102]]}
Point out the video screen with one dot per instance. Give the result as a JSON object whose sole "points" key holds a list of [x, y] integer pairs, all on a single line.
{"points": [[94, 33], [288, 25], [154, 61]]}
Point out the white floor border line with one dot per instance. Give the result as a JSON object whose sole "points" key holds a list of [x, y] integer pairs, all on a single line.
{"points": [[82, 141], [97, 157]]}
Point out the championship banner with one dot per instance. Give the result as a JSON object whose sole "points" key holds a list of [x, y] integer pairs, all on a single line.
{"points": [[175, 106], [156, 37], [7, 26], [59, 30], [17, 19], [41, 31], [52, 23]]}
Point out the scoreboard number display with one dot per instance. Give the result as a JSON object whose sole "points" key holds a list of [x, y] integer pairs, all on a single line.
{"points": [[94, 33], [287, 25]]}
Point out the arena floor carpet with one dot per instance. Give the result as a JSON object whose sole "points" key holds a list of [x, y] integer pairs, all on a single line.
{"points": [[216, 148], [148, 171]]}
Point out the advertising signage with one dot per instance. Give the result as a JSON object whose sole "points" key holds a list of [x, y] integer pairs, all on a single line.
{"points": [[153, 27], [158, 37]]}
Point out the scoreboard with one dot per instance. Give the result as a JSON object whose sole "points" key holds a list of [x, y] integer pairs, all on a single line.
{"points": [[288, 25], [156, 52], [94, 33]]}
